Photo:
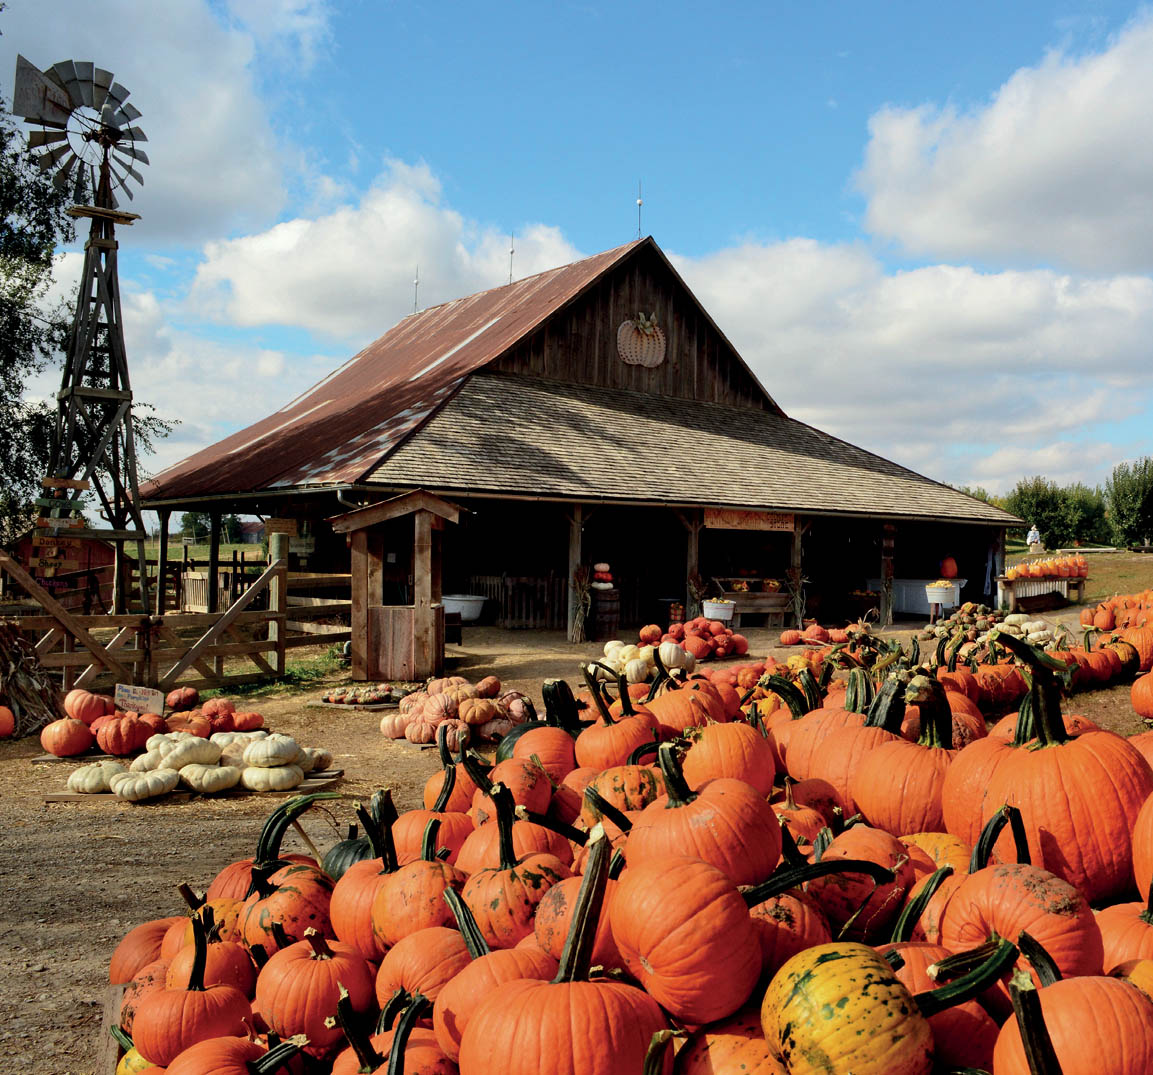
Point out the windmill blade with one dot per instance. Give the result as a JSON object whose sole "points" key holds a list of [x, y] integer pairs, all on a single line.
{"points": [[128, 168], [60, 179], [122, 180], [132, 112], [117, 94], [136, 154], [84, 72], [36, 139], [66, 71], [47, 160], [135, 133], [101, 80], [38, 98]]}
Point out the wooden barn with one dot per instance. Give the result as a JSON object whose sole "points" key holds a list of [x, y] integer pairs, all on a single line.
{"points": [[591, 413]]}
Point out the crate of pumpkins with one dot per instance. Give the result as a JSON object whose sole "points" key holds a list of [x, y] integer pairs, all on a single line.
{"points": [[469, 711]]}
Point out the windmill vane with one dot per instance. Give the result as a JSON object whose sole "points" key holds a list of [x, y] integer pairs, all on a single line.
{"points": [[88, 131]]}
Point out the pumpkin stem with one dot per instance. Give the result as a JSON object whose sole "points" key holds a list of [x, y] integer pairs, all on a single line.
{"points": [[928, 695], [1039, 959], [894, 958], [888, 707], [503, 804], [961, 963], [199, 956], [569, 832], [790, 854], [560, 707], [479, 776], [379, 833], [278, 1055], [1045, 690], [595, 690], [968, 985], [1025, 730], [821, 843], [811, 689], [260, 883], [121, 1039], [428, 840], [626, 699], [447, 787], [1038, 1046], [280, 935], [679, 792], [442, 746], [860, 692], [578, 946], [277, 824], [658, 1050], [194, 901], [408, 1020], [662, 675], [470, 932], [983, 849], [259, 955], [350, 1027], [642, 751], [783, 877], [600, 807], [789, 694], [317, 942], [617, 864], [911, 914], [1146, 915]]}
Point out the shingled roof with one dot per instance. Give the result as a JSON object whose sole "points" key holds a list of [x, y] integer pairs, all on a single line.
{"points": [[341, 427], [564, 441]]}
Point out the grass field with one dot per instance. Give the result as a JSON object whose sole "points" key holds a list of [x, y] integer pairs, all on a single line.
{"points": [[1109, 572]]}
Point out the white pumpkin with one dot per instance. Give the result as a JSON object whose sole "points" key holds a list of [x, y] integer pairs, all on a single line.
{"points": [[192, 751], [626, 654], [209, 779], [1016, 619], [672, 655], [497, 728], [163, 742], [233, 754], [274, 778], [646, 654], [93, 779], [611, 648], [689, 663], [137, 786], [314, 759], [224, 738], [636, 670], [145, 763], [272, 751]]}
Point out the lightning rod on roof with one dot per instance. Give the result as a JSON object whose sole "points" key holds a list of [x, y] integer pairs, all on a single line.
{"points": [[511, 251], [416, 289], [640, 204]]}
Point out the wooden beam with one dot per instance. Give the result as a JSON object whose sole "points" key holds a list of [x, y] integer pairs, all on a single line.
{"points": [[796, 574], [162, 561], [255, 656], [278, 545], [169, 635], [406, 504], [94, 671], [360, 603], [222, 623], [575, 531], [888, 542], [214, 561], [425, 660], [65, 618]]}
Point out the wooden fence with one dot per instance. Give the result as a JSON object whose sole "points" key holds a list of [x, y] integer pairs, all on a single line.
{"points": [[185, 649]]}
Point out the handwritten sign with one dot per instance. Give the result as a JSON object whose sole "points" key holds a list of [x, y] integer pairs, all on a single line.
{"points": [[132, 699], [281, 526], [739, 519]]}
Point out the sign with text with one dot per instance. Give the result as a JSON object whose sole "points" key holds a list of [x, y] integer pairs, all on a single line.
{"points": [[281, 526], [738, 519], [139, 699]]}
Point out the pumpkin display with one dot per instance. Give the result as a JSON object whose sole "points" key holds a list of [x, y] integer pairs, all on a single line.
{"points": [[85, 706], [209, 779], [94, 779], [271, 778], [136, 787], [182, 698]]}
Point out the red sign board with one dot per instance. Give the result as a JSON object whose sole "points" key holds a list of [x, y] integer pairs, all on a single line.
{"points": [[740, 519]]}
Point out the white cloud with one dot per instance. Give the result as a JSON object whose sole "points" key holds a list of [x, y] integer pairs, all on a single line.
{"points": [[293, 29], [962, 375], [216, 166], [1056, 169], [349, 273]]}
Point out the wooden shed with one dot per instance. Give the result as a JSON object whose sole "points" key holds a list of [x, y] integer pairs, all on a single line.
{"points": [[594, 412]]}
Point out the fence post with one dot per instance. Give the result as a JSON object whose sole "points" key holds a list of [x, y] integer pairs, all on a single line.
{"points": [[278, 599]]}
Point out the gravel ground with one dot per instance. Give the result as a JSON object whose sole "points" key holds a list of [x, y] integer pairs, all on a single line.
{"points": [[74, 877]]}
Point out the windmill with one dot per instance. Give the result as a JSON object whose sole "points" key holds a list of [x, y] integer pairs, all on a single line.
{"points": [[87, 136]]}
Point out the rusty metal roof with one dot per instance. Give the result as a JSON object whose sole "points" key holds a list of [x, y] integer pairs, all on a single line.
{"points": [[339, 429]]}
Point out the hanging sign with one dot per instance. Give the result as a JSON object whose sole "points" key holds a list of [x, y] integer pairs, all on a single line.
{"points": [[281, 526], [740, 519]]}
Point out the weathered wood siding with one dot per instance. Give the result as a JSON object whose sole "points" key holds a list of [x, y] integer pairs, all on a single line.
{"points": [[580, 343]]}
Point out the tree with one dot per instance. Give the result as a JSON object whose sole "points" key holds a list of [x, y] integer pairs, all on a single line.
{"points": [[230, 530], [34, 223], [1039, 502], [196, 525], [1129, 499]]}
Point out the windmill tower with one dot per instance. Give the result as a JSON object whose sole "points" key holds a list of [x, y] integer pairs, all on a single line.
{"points": [[87, 136]]}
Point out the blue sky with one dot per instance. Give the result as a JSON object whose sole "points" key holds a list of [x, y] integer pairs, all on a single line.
{"points": [[928, 228]]}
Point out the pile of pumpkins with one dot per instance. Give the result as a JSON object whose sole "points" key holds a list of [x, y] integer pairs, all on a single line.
{"points": [[814, 635], [1052, 567], [208, 749], [702, 639], [808, 891], [975, 621], [468, 712]]}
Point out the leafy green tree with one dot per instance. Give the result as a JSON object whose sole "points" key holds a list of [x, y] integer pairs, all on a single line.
{"points": [[1084, 512], [1039, 502], [33, 224], [1129, 500], [230, 531], [196, 525]]}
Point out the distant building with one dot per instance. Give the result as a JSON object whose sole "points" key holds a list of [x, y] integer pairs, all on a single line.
{"points": [[252, 532]]}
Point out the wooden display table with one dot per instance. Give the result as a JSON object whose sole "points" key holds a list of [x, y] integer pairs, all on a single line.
{"points": [[1010, 591], [772, 605]]}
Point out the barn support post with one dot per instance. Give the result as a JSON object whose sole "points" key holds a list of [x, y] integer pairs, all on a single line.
{"points": [[161, 561], [360, 602], [692, 522], [278, 599], [424, 626], [888, 541], [796, 575], [213, 561], [575, 529]]}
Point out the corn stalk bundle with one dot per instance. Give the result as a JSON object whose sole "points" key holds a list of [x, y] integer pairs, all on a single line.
{"points": [[25, 687]]}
